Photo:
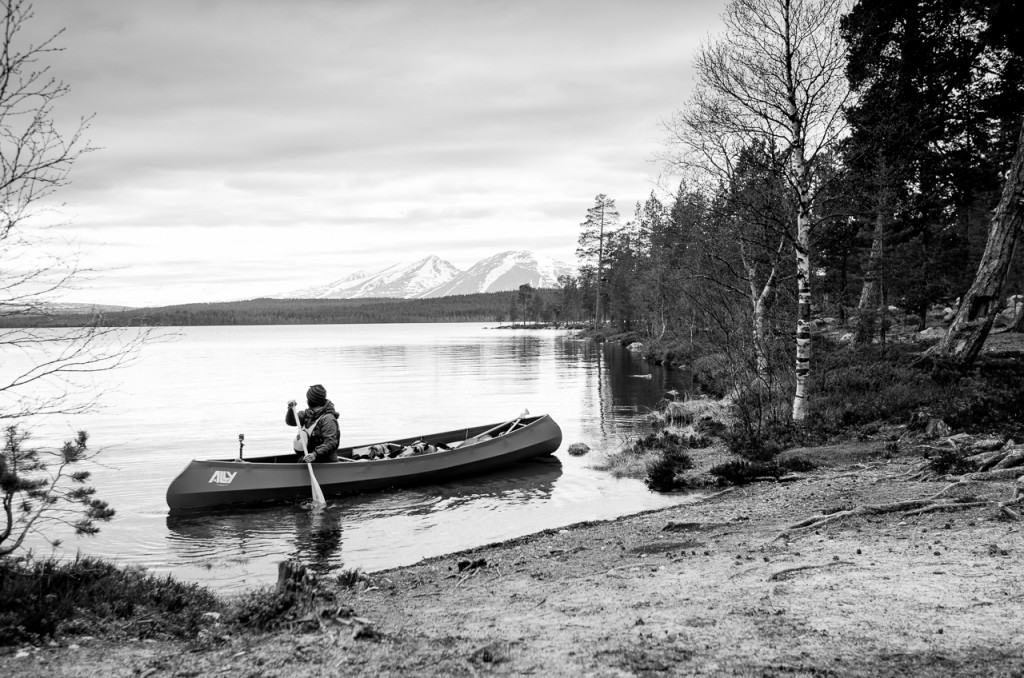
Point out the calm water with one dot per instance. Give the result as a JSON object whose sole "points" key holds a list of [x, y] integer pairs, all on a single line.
{"points": [[192, 395]]}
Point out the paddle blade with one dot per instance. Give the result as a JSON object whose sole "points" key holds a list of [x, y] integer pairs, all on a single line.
{"points": [[318, 495]]}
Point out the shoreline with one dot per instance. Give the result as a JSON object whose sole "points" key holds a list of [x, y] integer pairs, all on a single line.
{"points": [[696, 589]]}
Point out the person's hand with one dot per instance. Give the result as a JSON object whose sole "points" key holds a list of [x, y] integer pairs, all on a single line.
{"points": [[309, 458], [291, 404]]}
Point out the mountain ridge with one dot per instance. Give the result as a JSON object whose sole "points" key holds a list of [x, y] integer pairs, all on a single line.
{"points": [[433, 277]]}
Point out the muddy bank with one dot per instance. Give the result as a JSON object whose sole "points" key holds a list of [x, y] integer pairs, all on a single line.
{"points": [[699, 589]]}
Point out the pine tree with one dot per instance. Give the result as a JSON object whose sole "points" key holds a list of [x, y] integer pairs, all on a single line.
{"points": [[595, 230]]}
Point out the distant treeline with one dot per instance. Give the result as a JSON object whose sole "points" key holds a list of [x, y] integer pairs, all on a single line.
{"points": [[491, 307]]}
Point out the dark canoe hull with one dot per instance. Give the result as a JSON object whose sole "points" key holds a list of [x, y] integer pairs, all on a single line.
{"points": [[218, 482]]}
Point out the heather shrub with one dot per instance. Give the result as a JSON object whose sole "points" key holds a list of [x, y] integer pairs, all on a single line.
{"points": [[40, 598], [663, 473], [853, 386]]}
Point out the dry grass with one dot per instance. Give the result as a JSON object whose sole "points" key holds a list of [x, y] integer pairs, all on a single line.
{"points": [[694, 411]]}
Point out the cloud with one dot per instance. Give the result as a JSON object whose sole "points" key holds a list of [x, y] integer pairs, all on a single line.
{"points": [[397, 127]]}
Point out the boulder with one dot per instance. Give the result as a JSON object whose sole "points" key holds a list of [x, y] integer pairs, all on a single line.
{"points": [[635, 346], [578, 449], [931, 334]]}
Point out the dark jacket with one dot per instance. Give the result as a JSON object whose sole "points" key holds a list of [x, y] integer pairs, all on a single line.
{"points": [[323, 439]]}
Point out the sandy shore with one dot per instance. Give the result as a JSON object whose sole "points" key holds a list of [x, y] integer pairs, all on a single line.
{"points": [[698, 589]]}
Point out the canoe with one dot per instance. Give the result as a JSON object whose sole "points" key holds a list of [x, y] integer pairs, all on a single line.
{"points": [[208, 483]]}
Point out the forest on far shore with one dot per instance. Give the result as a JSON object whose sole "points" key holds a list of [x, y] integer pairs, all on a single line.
{"points": [[525, 304]]}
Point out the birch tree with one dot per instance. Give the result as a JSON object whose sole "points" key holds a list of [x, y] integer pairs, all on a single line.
{"points": [[775, 79]]}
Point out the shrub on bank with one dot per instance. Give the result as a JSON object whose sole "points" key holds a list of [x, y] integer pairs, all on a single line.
{"points": [[661, 458], [856, 385], [708, 417], [762, 444], [657, 458], [740, 472], [674, 353], [87, 596], [713, 375], [663, 473]]}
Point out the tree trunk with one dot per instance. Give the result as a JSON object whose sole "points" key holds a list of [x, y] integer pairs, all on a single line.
{"points": [[980, 305], [600, 273], [759, 307], [871, 294], [803, 280], [803, 317]]}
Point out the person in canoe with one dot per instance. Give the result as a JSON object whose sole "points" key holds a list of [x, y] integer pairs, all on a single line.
{"points": [[320, 422]]}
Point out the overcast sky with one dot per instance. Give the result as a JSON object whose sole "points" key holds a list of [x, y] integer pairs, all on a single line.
{"points": [[251, 147]]}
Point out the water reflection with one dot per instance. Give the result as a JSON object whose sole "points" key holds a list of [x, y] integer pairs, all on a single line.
{"points": [[391, 381], [318, 539], [245, 534]]}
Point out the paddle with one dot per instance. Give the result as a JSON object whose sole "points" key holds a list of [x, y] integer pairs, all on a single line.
{"points": [[318, 495], [513, 421]]}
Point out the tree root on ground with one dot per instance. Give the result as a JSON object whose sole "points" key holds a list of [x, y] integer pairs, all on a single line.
{"points": [[984, 463], [939, 501], [788, 573], [924, 474]]}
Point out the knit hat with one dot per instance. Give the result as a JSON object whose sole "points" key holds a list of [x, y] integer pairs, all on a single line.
{"points": [[316, 396]]}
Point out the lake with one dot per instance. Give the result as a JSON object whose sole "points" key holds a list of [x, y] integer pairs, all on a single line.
{"points": [[191, 395]]}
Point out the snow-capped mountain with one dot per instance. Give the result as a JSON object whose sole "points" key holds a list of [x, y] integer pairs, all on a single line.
{"points": [[434, 277], [505, 271], [404, 281]]}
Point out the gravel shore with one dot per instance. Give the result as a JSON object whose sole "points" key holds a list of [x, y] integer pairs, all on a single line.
{"points": [[701, 589]]}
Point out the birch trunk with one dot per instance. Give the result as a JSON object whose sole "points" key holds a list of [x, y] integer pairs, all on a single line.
{"points": [[803, 314], [802, 182], [980, 305], [759, 307]]}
